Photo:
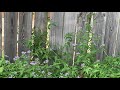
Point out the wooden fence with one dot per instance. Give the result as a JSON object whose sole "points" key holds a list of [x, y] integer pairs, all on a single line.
{"points": [[105, 25]]}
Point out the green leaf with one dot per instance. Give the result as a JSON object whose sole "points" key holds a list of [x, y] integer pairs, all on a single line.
{"points": [[1, 69], [1, 62]]}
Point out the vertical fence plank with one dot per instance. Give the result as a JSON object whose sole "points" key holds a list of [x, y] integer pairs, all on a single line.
{"points": [[81, 24], [82, 20], [10, 34], [70, 23], [113, 48], [25, 30], [99, 32], [56, 31], [118, 38], [64, 22], [70, 19], [112, 22], [0, 33], [41, 20]]}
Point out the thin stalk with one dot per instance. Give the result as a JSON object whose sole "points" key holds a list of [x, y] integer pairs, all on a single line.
{"points": [[74, 48]]}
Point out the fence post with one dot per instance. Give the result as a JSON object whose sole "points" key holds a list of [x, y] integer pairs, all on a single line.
{"points": [[10, 34], [25, 30]]}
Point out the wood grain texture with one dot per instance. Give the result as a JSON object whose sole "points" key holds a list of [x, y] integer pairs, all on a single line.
{"points": [[25, 30], [10, 34], [70, 24], [41, 20], [112, 23], [118, 39], [56, 31], [81, 24], [82, 19], [99, 32], [105, 26]]}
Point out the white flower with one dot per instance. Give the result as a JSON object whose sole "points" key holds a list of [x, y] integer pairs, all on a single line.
{"points": [[78, 76], [28, 51], [61, 77], [7, 61], [16, 58], [74, 44], [36, 59], [46, 61], [77, 53], [33, 63], [33, 73], [50, 49], [24, 65], [66, 74], [15, 72], [10, 76], [82, 65], [23, 52], [49, 73], [97, 60], [43, 72]]}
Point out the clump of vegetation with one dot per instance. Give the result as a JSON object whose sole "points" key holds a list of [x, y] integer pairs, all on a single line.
{"points": [[61, 62]]}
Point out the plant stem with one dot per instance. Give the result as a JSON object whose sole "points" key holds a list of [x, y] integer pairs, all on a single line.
{"points": [[74, 48]]}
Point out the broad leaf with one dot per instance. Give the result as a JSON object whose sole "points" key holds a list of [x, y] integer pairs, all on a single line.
{"points": [[1, 69]]}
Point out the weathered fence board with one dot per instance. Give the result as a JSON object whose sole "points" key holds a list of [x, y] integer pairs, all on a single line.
{"points": [[112, 23], [81, 23], [82, 19], [70, 26], [10, 34], [41, 21], [56, 31], [70, 19], [25, 30], [118, 39], [0, 33], [99, 32], [105, 26]]}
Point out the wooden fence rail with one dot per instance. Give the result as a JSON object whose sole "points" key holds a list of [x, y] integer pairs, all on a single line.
{"points": [[18, 28]]}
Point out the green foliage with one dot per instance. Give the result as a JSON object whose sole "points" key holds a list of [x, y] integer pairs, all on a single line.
{"points": [[109, 68], [22, 69], [56, 63], [51, 23]]}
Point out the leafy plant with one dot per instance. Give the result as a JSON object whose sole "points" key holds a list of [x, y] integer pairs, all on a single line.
{"points": [[47, 62]]}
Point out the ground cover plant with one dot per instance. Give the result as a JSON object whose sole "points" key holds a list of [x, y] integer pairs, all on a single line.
{"points": [[45, 62]]}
